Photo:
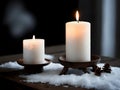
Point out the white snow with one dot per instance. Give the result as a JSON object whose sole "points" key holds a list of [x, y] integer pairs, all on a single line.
{"points": [[107, 81], [74, 77], [11, 65], [15, 65]]}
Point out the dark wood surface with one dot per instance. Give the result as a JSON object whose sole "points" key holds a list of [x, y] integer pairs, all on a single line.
{"points": [[9, 78]]}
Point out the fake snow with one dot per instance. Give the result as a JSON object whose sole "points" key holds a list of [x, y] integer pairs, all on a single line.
{"points": [[106, 81]]}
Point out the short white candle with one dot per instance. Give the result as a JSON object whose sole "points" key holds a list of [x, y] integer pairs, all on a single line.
{"points": [[33, 51], [78, 48]]}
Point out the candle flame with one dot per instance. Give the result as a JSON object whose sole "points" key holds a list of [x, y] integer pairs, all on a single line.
{"points": [[33, 37], [77, 15]]}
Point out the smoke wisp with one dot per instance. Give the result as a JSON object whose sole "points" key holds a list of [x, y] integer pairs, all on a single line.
{"points": [[18, 19]]}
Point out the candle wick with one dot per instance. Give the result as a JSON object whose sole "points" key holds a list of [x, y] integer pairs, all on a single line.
{"points": [[78, 21]]}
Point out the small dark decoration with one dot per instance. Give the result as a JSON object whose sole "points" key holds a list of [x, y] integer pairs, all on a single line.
{"points": [[98, 71], [107, 68], [94, 67]]}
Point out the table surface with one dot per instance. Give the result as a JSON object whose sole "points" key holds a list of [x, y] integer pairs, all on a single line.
{"points": [[10, 79]]}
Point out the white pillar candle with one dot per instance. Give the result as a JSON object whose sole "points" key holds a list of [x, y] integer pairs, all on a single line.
{"points": [[78, 41], [33, 51]]}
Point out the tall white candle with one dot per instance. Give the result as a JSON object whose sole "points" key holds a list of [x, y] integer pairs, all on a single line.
{"points": [[33, 51], [78, 48]]}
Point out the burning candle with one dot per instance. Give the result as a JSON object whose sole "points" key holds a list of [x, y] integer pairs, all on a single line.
{"points": [[33, 51], [78, 48]]}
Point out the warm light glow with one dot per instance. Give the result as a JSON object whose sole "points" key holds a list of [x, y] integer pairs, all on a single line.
{"points": [[77, 15], [33, 37]]}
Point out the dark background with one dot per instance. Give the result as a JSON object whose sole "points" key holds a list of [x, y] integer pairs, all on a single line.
{"points": [[50, 16]]}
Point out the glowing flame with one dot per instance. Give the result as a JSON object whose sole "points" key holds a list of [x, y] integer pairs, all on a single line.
{"points": [[33, 37], [77, 15]]}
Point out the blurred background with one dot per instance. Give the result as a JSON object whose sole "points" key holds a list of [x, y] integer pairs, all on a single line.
{"points": [[21, 19]]}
